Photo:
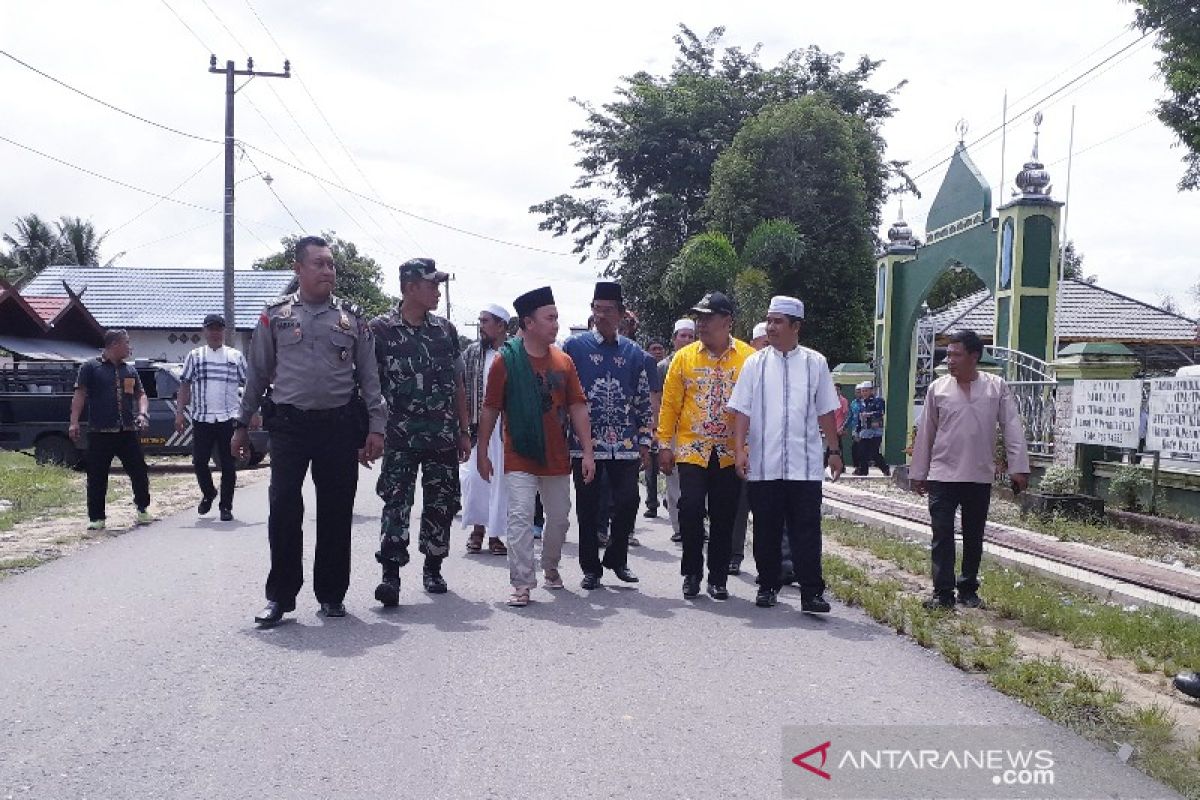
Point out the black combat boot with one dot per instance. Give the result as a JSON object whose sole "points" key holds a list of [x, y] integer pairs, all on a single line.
{"points": [[432, 575], [388, 590]]}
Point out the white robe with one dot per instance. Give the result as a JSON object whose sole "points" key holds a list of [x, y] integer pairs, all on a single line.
{"points": [[486, 503]]}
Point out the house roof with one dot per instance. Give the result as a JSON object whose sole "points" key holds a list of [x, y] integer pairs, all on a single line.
{"points": [[1086, 312], [166, 299], [47, 307]]}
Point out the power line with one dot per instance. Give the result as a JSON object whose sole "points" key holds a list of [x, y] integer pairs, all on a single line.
{"points": [[207, 49], [329, 125], [1039, 102], [299, 224], [175, 235], [287, 110], [171, 193], [376, 200], [107, 105], [123, 184]]}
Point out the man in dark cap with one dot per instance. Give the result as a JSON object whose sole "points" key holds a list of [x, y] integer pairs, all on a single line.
{"points": [[612, 370], [421, 378], [536, 387], [209, 383], [695, 432]]}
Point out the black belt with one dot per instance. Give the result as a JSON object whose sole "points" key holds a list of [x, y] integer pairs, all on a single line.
{"points": [[287, 411]]}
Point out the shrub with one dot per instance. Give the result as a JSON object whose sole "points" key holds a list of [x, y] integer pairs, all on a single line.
{"points": [[1125, 488], [1059, 480]]}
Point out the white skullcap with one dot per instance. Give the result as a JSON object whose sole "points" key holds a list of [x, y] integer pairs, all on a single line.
{"points": [[683, 325], [759, 330], [865, 385], [498, 311], [782, 304]]}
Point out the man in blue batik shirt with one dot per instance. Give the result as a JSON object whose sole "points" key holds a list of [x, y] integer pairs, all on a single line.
{"points": [[870, 432], [612, 369]]}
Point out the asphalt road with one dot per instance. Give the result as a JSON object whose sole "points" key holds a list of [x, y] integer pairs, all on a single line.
{"points": [[132, 670]]}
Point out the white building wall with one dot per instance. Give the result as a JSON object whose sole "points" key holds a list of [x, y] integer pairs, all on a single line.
{"points": [[173, 346]]}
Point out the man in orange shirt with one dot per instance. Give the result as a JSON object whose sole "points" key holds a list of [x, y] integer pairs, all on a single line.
{"points": [[536, 387], [696, 424]]}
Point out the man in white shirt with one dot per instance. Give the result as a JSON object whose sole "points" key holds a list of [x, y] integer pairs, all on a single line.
{"points": [[954, 459], [784, 403], [485, 504], [212, 375]]}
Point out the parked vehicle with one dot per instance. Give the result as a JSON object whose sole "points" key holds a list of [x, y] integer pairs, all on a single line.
{"points": [[35, 412]]}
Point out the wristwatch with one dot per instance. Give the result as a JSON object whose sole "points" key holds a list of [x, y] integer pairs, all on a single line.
{"points": [[831, 452]]}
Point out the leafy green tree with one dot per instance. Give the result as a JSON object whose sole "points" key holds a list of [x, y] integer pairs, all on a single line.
{"points": [[951, 286], [647, 156], [1177, 25], [707, 263], [752, 293], [34, 247], [815, 166], [359, 277]]}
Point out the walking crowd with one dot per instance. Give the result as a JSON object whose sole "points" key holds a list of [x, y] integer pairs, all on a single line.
{"points": [[504, 428]]}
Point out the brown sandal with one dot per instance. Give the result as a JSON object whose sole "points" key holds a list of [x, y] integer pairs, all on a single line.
{"points": [[496, 547], [475, 542], [519, 598]]}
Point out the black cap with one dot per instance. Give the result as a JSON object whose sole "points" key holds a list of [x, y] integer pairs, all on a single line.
{"points": [[421, 268], [714, 303], [214, 321], [609, 290], [530, 302]]}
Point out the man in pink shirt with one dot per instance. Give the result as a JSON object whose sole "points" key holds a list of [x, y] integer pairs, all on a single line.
{"points": [[954, 460]]}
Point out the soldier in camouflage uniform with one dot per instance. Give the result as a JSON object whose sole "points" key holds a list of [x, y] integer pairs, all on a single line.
{"points": [[421, 375]]}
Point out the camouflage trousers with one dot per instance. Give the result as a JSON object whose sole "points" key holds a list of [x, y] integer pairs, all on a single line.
{"points": [[440, 501]]}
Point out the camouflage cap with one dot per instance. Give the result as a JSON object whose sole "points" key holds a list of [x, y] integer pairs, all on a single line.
{"points": [[421, 269]]}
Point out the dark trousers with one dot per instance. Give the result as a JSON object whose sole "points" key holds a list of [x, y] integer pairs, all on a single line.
{"points": [[867, 453], [793, 507], [713, 490], [539, 513], [604, 502], [621, 478], [205, 435], [944, 500], [100, 451], [737, 547], [652, 482], [330, 445], [441, 499]]}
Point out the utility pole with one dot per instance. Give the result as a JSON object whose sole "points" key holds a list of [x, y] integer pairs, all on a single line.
{"points": [[448, 282], [230, 90]]}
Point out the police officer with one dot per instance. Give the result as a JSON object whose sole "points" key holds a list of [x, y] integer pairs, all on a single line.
{"points": [[317, 352], [421, 373]]}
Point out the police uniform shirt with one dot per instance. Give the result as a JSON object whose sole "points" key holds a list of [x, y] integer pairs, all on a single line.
{"points": [[307, 353]]}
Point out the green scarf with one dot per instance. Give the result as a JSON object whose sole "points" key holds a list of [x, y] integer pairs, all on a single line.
{"points": [[523, 402]]}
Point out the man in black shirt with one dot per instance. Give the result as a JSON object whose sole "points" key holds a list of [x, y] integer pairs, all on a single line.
{"points": [[110, 388]]}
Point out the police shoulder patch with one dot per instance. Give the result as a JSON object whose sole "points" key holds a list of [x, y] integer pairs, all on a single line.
{"points": [[283, 298]]}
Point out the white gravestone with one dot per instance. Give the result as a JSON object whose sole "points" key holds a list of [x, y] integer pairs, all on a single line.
{"points": [[1106, 413], [1174, 424]]}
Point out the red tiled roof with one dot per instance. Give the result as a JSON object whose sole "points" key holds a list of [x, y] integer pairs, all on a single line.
{"points": [[47, 307]]}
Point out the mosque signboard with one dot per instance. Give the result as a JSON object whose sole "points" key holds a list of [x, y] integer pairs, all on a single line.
{"points": [[1106, 413], [1173, 428]]}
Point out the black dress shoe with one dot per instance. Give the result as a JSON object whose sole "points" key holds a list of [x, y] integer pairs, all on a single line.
{"points": [[1188, 683], [677, 537], [717, 592], [226, 515], [388, 591], [970, 600], [766, 598], [272, 614], [735, 568], [817, 604], [625, 574], [691, 586], [590, 581], [434, 582], [332, 610], [650, 513], [939, 602], [205, 505]]}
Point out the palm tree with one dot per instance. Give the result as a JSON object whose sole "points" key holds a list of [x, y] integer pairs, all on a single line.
{"points": [[35, 247], [78, 242]]}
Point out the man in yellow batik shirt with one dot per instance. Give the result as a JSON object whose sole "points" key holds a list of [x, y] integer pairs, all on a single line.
{"points": [[694, 416]]}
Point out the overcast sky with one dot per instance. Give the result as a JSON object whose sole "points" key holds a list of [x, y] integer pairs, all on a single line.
{"points": [[460, 112]]}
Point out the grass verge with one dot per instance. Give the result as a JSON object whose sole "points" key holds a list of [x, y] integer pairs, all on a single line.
{"points": [[29, 488], [1063, 693]]}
